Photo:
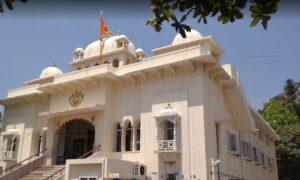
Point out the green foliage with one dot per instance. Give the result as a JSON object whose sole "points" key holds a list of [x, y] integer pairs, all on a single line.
{"points": [[291, 89], [277, 115], [288, 151], [227, 11], [8, 4], [281, 113]]}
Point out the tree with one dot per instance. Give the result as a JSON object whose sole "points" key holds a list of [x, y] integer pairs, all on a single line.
{"points": [[291, 89], [286, 122], [290, 96], [226, 10], [277, 114], [8, 4]]}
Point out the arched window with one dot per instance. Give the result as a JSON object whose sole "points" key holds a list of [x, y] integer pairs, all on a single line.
{"points": [[128, 137], [169, 130], [115, 63], [138, 136], [14, 145], [106, 62], [118, 138]]}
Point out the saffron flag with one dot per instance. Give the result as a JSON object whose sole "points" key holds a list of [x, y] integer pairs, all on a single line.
{"points": [[104, 28]]}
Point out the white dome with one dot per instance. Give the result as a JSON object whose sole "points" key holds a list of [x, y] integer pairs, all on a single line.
{"points": [[190, 36], [51, 71], [110, 44], [78, 51], [140, 52]]}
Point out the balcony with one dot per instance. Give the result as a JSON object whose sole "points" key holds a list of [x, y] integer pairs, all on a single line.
{"points": [[8, 156], [166, 146]]}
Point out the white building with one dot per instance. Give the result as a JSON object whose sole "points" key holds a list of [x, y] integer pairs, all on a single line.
{"points": [[179, 114]]}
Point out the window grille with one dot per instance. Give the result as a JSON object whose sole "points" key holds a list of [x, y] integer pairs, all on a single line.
{"points": [[233, 142]]}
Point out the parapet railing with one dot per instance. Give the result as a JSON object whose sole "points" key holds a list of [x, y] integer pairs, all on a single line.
{"points": [[60, 171], [19, 164]]}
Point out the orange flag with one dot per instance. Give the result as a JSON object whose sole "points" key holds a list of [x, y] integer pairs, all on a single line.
{"points": [[104, 28]]}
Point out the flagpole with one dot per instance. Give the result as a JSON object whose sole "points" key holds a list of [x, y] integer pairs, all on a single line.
{"points": [[100, 39]]}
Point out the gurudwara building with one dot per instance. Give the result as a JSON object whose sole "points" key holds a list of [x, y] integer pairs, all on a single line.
{"points": [[179, 114]]}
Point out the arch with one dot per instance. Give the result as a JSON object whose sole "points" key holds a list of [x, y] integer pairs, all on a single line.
{"points": [[60, 125], [115, 63], [74, 139]]}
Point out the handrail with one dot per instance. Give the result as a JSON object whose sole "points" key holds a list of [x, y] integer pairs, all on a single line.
{"points": [[60, 171], [20, 163]]}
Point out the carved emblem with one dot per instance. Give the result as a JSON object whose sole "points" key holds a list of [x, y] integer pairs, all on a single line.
{"points": [[76, 98]]}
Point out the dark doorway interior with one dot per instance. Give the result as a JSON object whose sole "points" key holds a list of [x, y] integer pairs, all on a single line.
{"points": [[75, 138], [171, 176]]}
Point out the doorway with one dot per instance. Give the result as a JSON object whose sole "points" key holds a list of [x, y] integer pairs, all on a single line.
{"points": [[171, 176], [74, 139]]}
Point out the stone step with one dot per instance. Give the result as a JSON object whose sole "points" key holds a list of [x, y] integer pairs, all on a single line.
{"points": [[43, 172]]}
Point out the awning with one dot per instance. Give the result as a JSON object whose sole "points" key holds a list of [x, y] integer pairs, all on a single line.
{"points": [[71, 111]]}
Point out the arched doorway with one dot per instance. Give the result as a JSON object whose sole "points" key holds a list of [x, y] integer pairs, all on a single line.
{"points": [[74, 139]]}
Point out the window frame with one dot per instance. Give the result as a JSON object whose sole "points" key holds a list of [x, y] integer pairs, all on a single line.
{"points": [[234, 134]]}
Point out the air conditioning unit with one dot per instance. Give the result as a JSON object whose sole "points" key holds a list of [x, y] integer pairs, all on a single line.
{"points": [[139, 170]]}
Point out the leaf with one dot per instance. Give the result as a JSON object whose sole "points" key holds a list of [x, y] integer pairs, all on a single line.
{"points": [[214, 12], [1, 7], [183, 18], [9, 4], [204, 20], [167, 13], [197, 12], [238, 14], [254, 22], [182, 32], [157, 28], [181, 6], [232, 19], [186, 27], [265, 21]]}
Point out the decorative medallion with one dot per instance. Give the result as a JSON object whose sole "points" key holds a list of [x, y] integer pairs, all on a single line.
{"points": [[76, 98]]}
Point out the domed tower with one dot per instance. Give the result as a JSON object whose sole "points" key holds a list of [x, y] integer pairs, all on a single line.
{"points": [[116, 50], [51, 71], [47, 75]]}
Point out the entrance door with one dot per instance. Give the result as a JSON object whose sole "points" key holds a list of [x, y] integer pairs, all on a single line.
{"points": [[171, 176], [78, 148], [75, 138]]}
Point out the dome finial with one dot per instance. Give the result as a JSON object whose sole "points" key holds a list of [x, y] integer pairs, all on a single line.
{"points": [[53, 65], [168, 106]]}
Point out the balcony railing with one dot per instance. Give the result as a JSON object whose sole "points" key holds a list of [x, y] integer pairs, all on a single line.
{"points": [[166, 145], [8, 155]]}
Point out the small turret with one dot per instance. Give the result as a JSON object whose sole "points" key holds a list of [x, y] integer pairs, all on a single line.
{"points": [[78, 54], [140, 53]]}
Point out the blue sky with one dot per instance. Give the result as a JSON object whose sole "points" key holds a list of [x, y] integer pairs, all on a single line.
{"points": [[33, 36]]}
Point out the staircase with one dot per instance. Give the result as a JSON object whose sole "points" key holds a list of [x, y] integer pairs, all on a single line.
{"points": [[43, 172]]}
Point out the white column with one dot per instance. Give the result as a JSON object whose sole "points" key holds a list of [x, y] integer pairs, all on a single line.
{"points": [[133, 138], [175, 139], [123, 134]]}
